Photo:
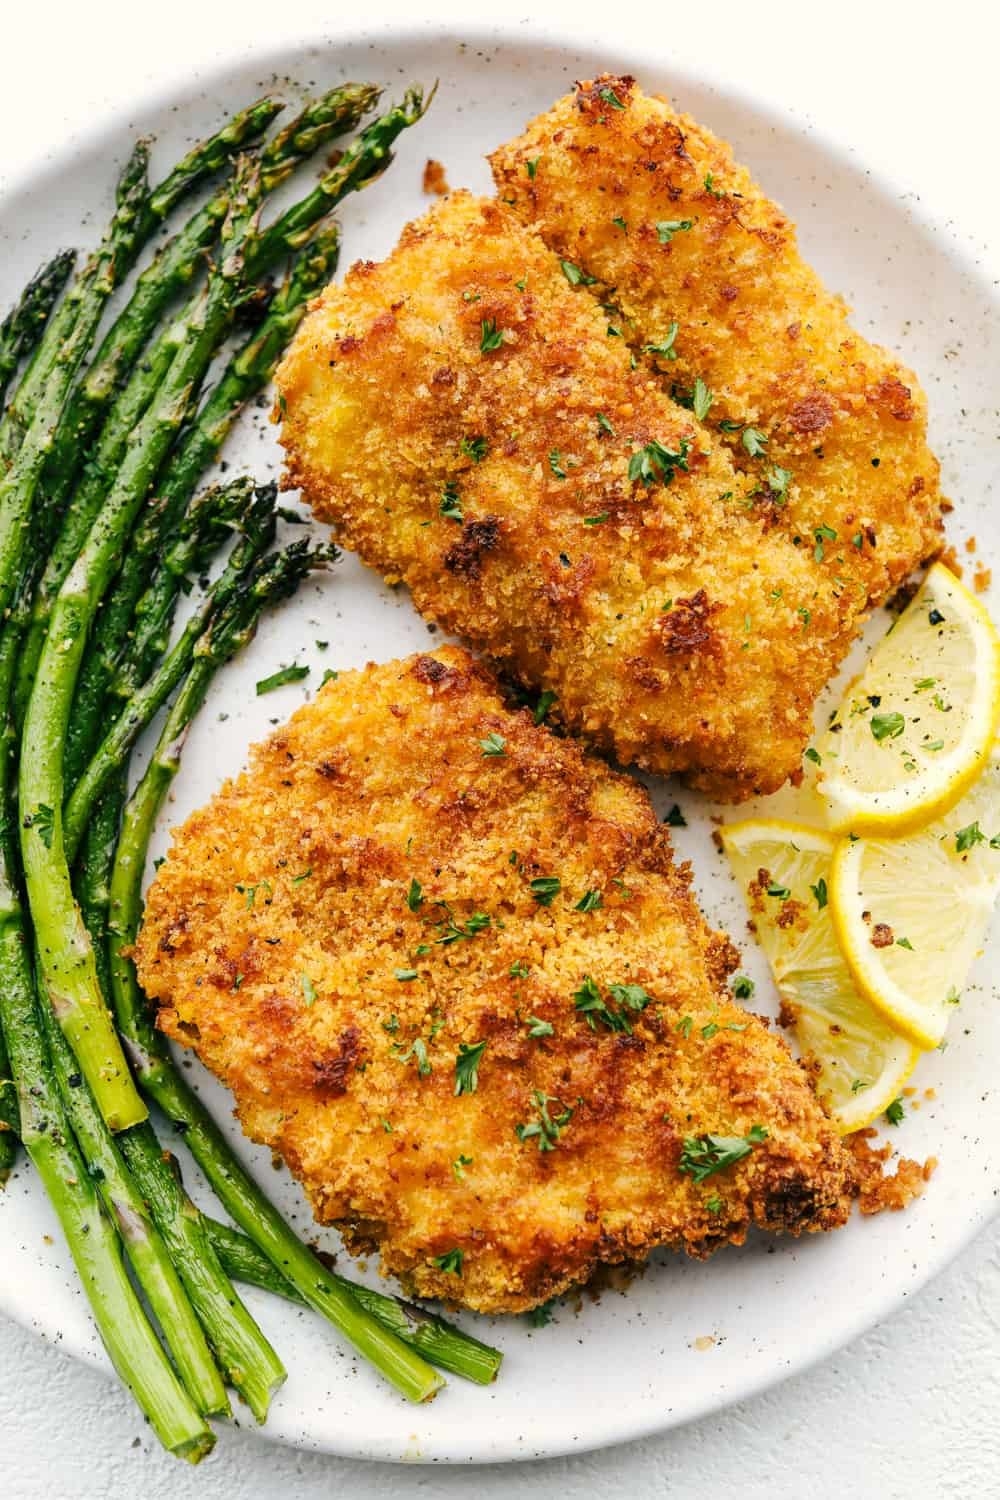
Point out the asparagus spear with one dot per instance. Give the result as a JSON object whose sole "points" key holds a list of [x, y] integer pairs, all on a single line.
{"points": [[48, 1138], [241, 1197], [237, 578], [364, 160], [153, 1268], [79, 311], [24, 324], [67, 959], [111, 263], [247, 372], [437, 1340], [172, 269]]}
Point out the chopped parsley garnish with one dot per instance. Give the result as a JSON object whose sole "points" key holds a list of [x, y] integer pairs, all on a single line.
{"points": [[574, 275], [713, 1205], [545, 888], [417, 1051], [604, 424], [549, 1126], [754, 441], [518, 969], [589, 1002], [819, 892], [451, 1261], [250, 891], [610, 97], [493, 744], [475, 448], [405, 975], [655, 463], [709, 180], [545, 702], [596, 520], [491, 337], [895, 1111], [779, 892], [467, 1067], [675, 818], [454, 931], [822, 534], [451, 504], [968, 837], [667, 228], [302, 875], [665, 348], [308, 990], [904, 942], [279, 679], [392, 1025], [743, 987], [531, 167], [887, 726], [415, 895], [541, 1316], [459, 1164], [924, 683], [589, 901], [814, 756], [556, 464], [701, 400], [709, 1031], [703, 1155], [620, 223], [537, 1027]]}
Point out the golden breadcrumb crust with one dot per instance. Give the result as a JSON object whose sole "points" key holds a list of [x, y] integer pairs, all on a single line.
{"points": [[344, 917], [681, 628], [654, 207]]}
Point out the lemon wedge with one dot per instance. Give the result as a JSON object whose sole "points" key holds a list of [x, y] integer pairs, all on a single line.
{"points": [[916, 728], [861, 1062], [911, 914]]}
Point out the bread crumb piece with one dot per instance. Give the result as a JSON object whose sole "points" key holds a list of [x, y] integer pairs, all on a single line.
{"points": [[970, 544], [435, 181], [982, 578], [877, 1190], [930, 1093], [949, 557], [706, 1341]]}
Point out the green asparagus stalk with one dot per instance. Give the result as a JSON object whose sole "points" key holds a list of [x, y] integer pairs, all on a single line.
{"points": [[247, 1361], [241, 1197], [171, 270], [436, 1339], [67, 959], [247, 372], [364, 160], [80, 310], [236, 579], [154, 1270], [151, 207], [48, 1138], [23, 326]]}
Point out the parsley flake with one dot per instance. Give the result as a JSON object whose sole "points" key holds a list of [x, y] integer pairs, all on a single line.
{"points": [[754, 441], [450, 1261], [703, 1155], [308, 990], [895, 1112], [665, 348], [491, 337], [415, 895], [667, 228], [531, 167], [819, 893], [701, 400], [279, 679], [451, 504], [549, 1126], [475, 448], [968, 837], [743, 987], [574, 275], [887, 726], [538, 1028], [589, 901], [493, 744], [556, 464], [545, 888], [657, 464], [545, 702], [467, 1067], [610, 97]]}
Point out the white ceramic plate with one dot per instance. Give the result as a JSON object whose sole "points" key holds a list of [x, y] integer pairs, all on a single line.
{"points": [[687, 1338]]}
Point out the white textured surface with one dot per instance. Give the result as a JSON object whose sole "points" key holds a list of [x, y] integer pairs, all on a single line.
{"points": [[907, 1410]]}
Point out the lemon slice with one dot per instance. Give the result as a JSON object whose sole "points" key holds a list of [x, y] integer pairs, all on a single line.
{"points": [[916, 728], [911, 914], [861, 1062]]}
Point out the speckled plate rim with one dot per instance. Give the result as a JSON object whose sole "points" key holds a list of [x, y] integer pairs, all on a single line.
{"points": [[282, 59]]}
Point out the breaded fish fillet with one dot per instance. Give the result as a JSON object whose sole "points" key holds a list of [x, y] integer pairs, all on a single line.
{"points": [[466, 417], [674, 231], [450, 971]]}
